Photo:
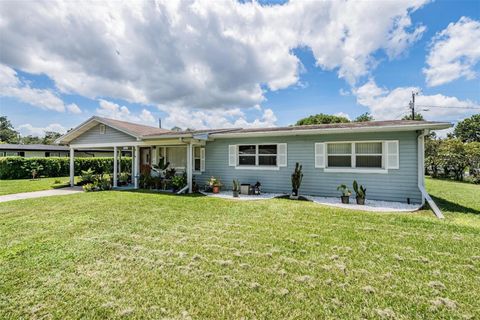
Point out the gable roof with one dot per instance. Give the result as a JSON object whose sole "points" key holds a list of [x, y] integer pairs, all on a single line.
{"points": [[133, 129]]}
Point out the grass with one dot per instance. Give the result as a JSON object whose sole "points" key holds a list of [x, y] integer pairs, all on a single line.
{"points": [[29, 185], [144, 255]]}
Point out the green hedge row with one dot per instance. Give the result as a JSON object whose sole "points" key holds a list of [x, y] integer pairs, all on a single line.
{"points": [[20, 168]]}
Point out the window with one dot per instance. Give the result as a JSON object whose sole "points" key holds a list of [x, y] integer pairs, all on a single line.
{"points": [[339, 155], [102, 129], [355, 155], [196, 159], [257, 155], [47, 154], [368, 155]]}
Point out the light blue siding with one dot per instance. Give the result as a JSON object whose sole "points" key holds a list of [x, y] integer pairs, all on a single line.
{"points": [[396, 185], [111, 135]]}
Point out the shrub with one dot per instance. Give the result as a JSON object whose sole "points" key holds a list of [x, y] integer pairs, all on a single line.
{"points": [[88, 187], [16, 167]]}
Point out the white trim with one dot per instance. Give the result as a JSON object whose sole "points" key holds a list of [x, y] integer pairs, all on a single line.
{"points": [[301, 132], [258, 154], [257, 167], [353, 156], [355, 170]]}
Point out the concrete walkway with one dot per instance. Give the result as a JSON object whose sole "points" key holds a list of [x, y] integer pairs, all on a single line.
{"points": [[40, 194]]}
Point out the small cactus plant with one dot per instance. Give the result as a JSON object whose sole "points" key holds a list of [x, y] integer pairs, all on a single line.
{"points": [[297, 177]]}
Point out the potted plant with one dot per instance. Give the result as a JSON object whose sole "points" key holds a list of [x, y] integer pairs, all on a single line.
{"points": [[236, 188], [215, 184], [345, 193], [297, 177], [123, 178], [360, 192]]}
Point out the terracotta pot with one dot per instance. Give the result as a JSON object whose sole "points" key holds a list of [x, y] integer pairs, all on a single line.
{"points": [[345, 199], [216, 189]]}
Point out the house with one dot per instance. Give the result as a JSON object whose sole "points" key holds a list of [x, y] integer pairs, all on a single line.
{"points": [[385, 156], [44, 150]]}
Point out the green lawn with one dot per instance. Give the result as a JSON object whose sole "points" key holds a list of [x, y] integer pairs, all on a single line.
{"points": [[28, 185], [136, 255]]}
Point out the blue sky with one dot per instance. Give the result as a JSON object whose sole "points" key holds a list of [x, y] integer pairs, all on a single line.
{"points": [[193, 81]]}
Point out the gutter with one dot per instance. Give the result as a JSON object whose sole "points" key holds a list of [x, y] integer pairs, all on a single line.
{"points": [[421, 176]]}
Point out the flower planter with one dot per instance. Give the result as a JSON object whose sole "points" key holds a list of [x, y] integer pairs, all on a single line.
{"points": [[345, 199], [215, 189], [235, 194], [245, 188], [360, 201]]}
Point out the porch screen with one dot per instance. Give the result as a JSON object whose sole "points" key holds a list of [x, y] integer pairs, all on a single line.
{"points": [[177, 156]]}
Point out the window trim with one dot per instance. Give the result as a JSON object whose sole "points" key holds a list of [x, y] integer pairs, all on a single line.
{"points": [[257, 154], [353, 156]]}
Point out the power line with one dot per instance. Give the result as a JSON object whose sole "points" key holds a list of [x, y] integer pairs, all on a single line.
{"points": [[447, 107]]}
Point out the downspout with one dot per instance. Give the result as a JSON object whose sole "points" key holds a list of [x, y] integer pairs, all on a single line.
{"points": [[421, 175]]}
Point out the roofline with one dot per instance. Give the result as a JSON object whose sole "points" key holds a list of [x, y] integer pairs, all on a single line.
{"points": [[89, 120], [301, 132]]}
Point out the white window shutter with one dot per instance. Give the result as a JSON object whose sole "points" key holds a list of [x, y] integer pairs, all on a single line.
{"points": [[202, 159], [282, 154], [393, 158], [320, 155], [232, 155]]}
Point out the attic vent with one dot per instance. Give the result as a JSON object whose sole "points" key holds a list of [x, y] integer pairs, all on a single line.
{"points": [[102, 129]]}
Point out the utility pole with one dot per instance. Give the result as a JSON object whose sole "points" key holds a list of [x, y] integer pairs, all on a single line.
{"points": [[412, 104]]}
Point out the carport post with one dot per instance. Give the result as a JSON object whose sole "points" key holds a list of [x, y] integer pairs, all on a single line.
{"points": [[115, 167], [72, 167]]}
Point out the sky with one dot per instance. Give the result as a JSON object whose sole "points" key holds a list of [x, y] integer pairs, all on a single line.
{"points": [[226, 63]]}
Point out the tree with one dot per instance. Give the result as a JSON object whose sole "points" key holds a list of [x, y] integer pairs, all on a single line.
{"points": [[176, 129], [321, 118], [364, 117], [432, 159], [468, 130], [31, 140], [50, 137], [418, 117], [7, 132], [453, 158], [472, 150]]}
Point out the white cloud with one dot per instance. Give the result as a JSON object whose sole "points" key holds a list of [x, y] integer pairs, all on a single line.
{"points": [[207, 119], [202, 54], [28, 129], [454, 52], [393, 104], [12, 86], [112, 110], [73, 108]]}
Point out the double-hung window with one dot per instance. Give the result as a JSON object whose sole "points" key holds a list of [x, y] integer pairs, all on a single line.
{"points": [[257, 155], [355, 155]]}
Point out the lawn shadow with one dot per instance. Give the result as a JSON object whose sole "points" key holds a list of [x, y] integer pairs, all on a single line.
{"points": [[446, 205]]}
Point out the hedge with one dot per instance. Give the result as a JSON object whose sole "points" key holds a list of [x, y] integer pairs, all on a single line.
{"points": [[19, 167]]}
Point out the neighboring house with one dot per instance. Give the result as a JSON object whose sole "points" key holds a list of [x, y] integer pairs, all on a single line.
{"points": [[384, 156], [44, 150]]}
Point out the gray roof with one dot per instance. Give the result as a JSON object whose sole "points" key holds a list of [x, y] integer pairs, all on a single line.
{"points": [[33, 147], [346, 125]]}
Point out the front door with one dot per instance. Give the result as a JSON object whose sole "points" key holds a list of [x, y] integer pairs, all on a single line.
{"points": [[145, 156]]}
